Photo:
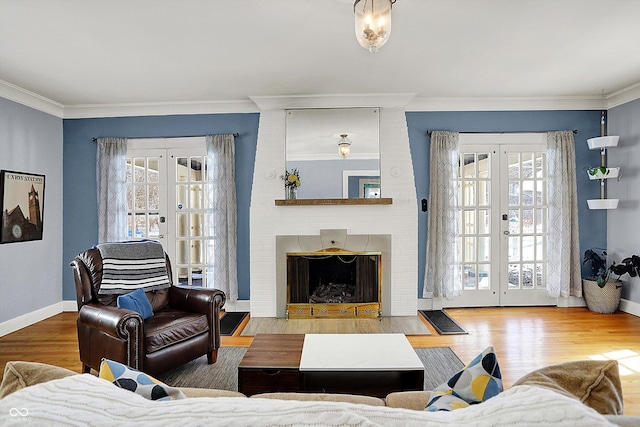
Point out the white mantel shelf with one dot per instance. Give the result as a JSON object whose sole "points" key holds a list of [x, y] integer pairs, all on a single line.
{"points": [[321, 202]]}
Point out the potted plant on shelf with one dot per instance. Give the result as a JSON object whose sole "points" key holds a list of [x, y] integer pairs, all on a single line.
{"points": [[601, 292]]}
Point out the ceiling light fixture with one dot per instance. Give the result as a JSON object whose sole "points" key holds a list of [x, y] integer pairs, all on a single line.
{"points": [[344, 146], [373, 22]]}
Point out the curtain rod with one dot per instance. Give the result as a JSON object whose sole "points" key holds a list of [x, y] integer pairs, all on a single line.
{"points": [[575, 131], [167, 137]]}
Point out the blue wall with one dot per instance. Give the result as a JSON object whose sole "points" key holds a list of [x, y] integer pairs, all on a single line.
{"points": [[80, 218], [593, 224]]}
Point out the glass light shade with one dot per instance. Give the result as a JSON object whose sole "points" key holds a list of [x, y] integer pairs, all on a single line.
{"points": [[344, 146], [373, 22]]}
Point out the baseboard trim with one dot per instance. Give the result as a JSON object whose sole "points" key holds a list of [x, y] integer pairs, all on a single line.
{"points": [[29, 319], [630, 307], [69, 306]]}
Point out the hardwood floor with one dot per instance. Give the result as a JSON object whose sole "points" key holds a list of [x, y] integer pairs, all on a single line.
{"points": [[524, 339]]}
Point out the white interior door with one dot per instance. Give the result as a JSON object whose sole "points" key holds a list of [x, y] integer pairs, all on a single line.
{"points": [[165, 201], [503, 220]]}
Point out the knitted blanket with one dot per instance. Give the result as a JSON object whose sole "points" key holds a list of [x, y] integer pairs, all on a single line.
{"points": [[81, 400], [127, 266]]}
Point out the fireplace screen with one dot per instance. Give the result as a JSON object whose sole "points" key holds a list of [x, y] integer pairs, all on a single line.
{"points": [[342, 278]]}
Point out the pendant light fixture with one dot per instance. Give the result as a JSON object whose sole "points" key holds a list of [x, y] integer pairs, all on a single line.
{"points": [[373, 22], [344, 146]]}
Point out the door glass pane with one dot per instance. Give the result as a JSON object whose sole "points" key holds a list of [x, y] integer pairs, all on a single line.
{"points": [[527, 221], [196, 225], [514, 165], [153, 174], [154, 225], [514, 248], [470, 249], [181, 196], [484, 249], [541, 193], [527, 275], [140, 196], [183, 276], [469, 193], [514, 276], [514, 221], [528, 248], [196, 252], [484, 279], [484, 223], [129, 170], [484, 195], [139, 170], [154, 197], [469, 221], [182, 225], [196, 196], [196, 168], [541, 165], [140, 226], [469, 169], [527, 165], [528, 192], [182, 247], [514, 193], [484, 166], [470, 276], [182, 173]]}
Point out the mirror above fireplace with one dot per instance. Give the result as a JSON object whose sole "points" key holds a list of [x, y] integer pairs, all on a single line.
{"points": [[312, 138]]}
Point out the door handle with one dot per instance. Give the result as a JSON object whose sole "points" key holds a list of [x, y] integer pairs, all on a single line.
{"points": [[506, 233], [160, 236]]}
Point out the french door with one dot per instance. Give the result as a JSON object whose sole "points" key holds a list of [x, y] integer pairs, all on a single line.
{"points": [[502, 220], [165, 199]]}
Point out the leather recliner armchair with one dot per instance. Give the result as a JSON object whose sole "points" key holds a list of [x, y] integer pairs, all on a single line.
{"points": [[185, 324]]}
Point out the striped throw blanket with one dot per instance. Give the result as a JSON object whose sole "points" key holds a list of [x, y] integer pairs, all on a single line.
{"points": [[127, 266]]}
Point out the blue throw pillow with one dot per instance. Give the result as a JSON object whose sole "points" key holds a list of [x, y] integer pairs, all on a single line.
{"points": [[136, 301]]}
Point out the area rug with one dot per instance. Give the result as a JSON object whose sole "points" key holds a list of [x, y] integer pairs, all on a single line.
{"points": [[440, 364], [230, 322], [441, 321]]}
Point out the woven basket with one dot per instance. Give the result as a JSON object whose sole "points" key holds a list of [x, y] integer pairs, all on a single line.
{"points": [[602, 300]]}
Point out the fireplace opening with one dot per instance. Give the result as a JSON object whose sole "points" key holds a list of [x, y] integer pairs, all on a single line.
{"points": [[333, 284]]}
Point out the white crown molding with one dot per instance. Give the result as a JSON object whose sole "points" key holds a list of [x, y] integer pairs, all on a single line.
{"points": [[257, 103], [628, 94], [30, 99], [346, 100], [84, 111], [506, 104]]}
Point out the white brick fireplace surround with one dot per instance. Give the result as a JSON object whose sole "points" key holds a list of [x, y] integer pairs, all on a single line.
{"points": [[396, 223]]}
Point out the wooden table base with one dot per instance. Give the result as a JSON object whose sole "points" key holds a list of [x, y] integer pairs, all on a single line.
{"points": [[272, 364]]}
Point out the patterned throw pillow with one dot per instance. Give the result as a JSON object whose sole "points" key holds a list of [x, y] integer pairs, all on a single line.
{"points": [[136, 301], [475, 383], [137, 382]]}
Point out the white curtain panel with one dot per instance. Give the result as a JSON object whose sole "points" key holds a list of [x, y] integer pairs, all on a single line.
{"points": [[221, 215], [563, 249], [443, 276], [111, 177]]}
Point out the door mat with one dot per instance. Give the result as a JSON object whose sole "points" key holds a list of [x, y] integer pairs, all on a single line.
{"points": [[441, 321], [230, 322]]}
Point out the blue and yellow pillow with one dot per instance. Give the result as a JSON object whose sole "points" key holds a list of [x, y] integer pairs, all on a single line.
{"points": [[137, 382], [478, 381], [136, 301]]}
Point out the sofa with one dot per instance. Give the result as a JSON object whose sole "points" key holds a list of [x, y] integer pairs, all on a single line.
{"points": [[583, 393]]}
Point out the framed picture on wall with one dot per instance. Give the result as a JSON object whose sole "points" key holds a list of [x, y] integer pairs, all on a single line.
{"points": [[22, 203]]}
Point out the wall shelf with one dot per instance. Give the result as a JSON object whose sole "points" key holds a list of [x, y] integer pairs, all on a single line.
{"points": [[602, 142], [322, 202]]}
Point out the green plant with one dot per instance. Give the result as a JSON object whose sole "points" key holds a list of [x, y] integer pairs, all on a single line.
{"points": [[597, 259], [629, 265], [593, 171]]}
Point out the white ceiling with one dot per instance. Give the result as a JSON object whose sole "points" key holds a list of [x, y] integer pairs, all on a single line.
{"points": [[81, 54]]}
